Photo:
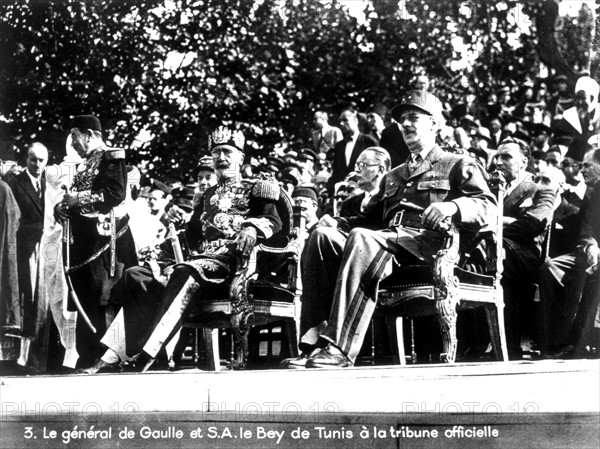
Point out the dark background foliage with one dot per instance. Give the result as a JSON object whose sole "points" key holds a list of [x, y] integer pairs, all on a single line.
{"points": [[161, 73]]}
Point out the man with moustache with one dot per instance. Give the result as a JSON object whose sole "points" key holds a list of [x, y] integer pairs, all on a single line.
{"points": [[345, 258], [99, 245], [230, 219]]}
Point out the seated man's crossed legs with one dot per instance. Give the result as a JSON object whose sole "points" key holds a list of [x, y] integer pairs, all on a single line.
{"points": [[340, 279]]}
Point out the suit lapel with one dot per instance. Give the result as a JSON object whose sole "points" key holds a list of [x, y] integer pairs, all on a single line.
{"points": [[30, 190], [515, 197], [358, 147]]}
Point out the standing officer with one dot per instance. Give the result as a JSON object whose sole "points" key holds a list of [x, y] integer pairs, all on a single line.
{"points": [[99, 245]]}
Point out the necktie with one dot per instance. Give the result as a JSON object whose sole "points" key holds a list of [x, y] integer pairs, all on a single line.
{"points": [[38, 188]]}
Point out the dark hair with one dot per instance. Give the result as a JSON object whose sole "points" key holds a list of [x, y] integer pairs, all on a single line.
{"points": [[523, 147]]}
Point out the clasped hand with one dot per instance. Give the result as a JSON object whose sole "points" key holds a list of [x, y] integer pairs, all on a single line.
{"points": [[438, 215], [246, 241], [177, 216]]}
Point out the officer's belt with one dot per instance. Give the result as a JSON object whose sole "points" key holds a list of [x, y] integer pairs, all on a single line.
{"points": [[406, 218]]}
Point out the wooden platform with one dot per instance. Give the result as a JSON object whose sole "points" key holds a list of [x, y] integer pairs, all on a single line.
{"points": [[564, 395]]}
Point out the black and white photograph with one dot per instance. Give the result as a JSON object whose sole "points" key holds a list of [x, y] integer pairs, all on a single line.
{"points": [[299, 224]]}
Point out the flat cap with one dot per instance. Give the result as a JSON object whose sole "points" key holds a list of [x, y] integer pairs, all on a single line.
{"points": [[86, 122], [420, 100]]}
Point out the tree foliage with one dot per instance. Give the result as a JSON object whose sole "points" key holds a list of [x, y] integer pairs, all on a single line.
{"points": [[161, 73]]}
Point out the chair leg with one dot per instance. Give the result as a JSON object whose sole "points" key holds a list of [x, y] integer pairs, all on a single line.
{"points": [[447, 320], [396, 336], [495, 319], [292, 337], [211, 347]]}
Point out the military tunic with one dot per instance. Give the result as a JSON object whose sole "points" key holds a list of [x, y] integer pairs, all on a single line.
{"points": [[224, 210], [94, 267]]}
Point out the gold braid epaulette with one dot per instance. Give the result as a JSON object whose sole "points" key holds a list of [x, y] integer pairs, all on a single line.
{"points": [[266, 189]]}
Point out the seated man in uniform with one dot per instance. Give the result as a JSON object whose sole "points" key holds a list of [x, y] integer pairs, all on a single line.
{"points": [[229, 219], [401, 224]]}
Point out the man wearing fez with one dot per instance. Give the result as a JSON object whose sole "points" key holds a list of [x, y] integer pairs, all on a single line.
{"points": [[98, 243], [345, 258], [305, 197], [230, 218]]}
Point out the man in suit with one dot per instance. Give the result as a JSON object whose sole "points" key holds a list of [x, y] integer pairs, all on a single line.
{"points": [[528, 208], [28, 189], [563, 277], [324, 136], [372, 165], [348, 149], [345, 258]]}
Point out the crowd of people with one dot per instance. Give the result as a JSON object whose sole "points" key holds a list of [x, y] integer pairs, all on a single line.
{"points": [[109, 262]]}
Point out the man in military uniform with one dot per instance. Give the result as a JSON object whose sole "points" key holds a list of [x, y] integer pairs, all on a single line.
{"points": [[228, 221], [98, 243], [401, 224]]}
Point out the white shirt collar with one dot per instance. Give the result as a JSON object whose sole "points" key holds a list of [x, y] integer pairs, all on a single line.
{"points": [[33, 179]]}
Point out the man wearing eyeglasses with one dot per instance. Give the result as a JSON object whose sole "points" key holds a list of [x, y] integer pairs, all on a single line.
{"points": [[372, 165], [345, 258]]}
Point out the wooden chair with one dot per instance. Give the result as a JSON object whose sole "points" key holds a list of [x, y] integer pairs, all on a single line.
{"points": [[450, 286], [266, 288]]}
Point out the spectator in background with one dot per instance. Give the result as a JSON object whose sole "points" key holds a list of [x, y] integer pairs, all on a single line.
{"points": [[421, 83], [206, 177], [348, 150], [324, 136], [582, 121], [159, 198], [306, 199], [376, 126]]}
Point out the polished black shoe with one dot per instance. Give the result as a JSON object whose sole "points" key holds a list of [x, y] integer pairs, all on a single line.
{"points": [[329, 357], [297, 362], [101, 367]]}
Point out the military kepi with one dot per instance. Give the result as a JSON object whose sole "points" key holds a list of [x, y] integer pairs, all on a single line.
{"points": [[86, 122], [420, 100]]}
